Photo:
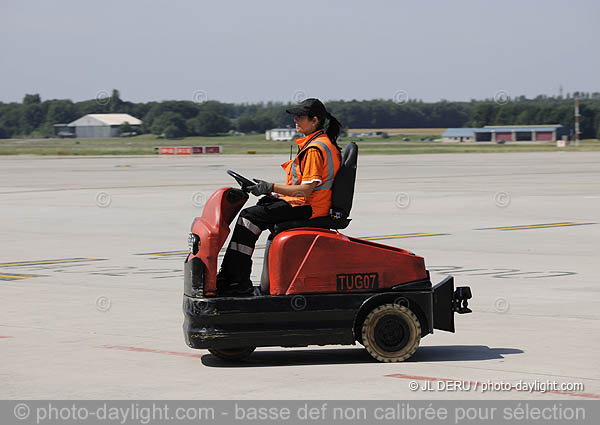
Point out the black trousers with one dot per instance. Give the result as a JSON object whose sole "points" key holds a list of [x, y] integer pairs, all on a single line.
{"points": [[252, 221]]}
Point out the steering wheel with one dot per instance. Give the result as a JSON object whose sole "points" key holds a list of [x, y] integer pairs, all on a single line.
{"points": [[242, 181]]}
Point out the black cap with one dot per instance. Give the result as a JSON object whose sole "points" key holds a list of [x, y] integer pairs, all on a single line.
{"points": [[311, 107]]}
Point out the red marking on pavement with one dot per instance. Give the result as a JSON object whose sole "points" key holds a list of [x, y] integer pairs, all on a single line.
{"points": [[478, 384], [6, 337], [150, 350]]}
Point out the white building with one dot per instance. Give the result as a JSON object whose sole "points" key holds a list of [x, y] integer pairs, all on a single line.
{"points": [[101, 125], [279, 134]]}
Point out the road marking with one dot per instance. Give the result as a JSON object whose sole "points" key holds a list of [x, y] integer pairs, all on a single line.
{"points": [[538, 226], [150, 350], [366, 238], [39, 262], [165, 253], [13, 277], [406, 235], [499, 273], [478, 384]]}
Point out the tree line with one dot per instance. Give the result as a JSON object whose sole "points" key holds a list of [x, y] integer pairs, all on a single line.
{"points": [[36, 118]]}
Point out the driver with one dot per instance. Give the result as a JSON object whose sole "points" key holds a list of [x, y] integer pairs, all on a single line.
{"points": [[306, 194]]}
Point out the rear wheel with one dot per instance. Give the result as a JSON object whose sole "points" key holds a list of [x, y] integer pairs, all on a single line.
{"points": [[232, 354], [391, 333]]}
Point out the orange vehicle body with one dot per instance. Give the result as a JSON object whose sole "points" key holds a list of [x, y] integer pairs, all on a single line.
{"points": [[212, 228], [303, 261]]}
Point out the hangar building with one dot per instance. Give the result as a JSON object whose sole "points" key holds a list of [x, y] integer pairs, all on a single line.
{"points": [[97, 126], [507, 133]]}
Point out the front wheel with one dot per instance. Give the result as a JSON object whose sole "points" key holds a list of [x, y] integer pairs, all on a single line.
{"points": [[232, 354], [391, 333]]}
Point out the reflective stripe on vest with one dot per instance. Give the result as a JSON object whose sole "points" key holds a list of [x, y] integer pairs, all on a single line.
{"points": [[328, 183], [296, 162], [294, 174]]}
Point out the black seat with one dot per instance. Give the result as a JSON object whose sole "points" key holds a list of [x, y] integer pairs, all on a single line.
{"points": [[341, 197]]}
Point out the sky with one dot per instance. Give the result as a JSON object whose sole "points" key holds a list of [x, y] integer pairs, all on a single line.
{"points": [[252, 51]]}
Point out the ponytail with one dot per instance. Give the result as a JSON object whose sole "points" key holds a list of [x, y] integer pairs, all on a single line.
{"points": [[332, 128]]}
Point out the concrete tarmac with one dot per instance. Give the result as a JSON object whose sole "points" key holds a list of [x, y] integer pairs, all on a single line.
{"points": [[91, 278]]}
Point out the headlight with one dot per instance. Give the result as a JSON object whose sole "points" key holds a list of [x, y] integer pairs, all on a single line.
{"points": [[193, 243]]}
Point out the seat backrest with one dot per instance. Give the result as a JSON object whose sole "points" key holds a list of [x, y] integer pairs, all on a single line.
{"points": [[343, 185]]}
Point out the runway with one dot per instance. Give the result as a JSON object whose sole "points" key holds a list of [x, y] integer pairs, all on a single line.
{"points": [[91, 278]]}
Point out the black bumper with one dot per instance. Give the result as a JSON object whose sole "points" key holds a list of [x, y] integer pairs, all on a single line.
{"points": [[261, 321]]}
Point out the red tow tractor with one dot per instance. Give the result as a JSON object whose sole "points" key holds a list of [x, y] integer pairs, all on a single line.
{"points": [[318, 286]]}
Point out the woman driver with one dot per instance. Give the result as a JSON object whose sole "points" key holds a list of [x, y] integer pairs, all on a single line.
{"points": [[306, 194]]}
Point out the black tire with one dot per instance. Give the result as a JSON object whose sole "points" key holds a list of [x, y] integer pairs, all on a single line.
{"points": [[232, 354], [391, 333]]}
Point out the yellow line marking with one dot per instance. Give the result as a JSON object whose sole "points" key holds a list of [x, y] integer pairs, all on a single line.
{"points": [[366, 238], [538, 226], [33, 263], [157, 254], [10, 276], [408, 235]]}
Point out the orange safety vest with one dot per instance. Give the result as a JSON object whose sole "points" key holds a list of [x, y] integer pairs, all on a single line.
{"points": [[320, 198]]}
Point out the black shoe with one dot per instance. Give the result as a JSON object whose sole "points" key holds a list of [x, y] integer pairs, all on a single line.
{"points": [[236, 292], [222, 281], [235, 289]]}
